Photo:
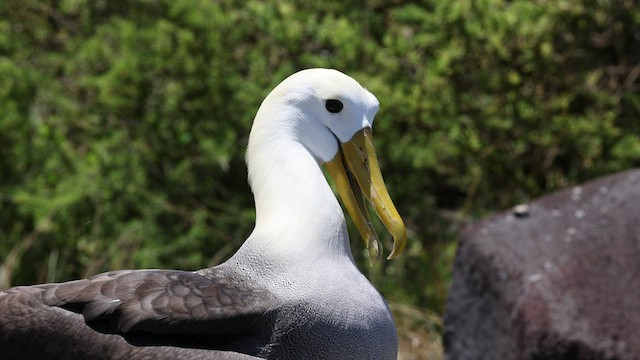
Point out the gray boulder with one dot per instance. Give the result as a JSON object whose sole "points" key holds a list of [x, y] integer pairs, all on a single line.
{"points": [[558, 278]]}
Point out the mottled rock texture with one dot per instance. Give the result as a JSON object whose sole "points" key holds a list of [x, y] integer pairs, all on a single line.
{"points": [[558, 278]]}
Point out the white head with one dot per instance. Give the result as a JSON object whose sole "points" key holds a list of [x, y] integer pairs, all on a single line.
{"points": [[316, 117], [312, 100]]}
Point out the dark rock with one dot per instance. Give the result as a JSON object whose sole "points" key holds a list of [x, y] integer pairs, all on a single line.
{"points": [[560, 282]]}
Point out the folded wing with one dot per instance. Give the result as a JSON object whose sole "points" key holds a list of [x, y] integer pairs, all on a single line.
{"points": [[163, 301]]}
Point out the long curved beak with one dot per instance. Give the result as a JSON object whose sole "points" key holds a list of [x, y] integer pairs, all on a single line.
{"points": [[361, 179]]}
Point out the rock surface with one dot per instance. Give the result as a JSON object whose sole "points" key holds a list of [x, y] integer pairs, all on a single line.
{"points": [[558, 278]]}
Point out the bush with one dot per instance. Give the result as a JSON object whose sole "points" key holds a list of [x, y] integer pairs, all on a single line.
{"points": [[124, 123]]}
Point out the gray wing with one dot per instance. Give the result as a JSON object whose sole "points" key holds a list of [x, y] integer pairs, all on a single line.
{"points": [[164, 301]]}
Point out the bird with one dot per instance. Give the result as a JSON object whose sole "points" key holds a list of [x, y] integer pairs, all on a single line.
{"points": [[291, 291]]}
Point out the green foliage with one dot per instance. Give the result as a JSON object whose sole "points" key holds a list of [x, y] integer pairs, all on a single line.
{"points": [[123, 123]]}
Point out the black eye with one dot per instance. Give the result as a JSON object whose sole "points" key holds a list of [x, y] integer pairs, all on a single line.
{"points": [[333, 106]]}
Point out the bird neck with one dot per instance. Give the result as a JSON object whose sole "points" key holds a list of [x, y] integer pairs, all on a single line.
{"points": [[297, 213]]}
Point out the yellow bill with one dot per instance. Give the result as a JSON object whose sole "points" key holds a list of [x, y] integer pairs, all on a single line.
{"points": [[357, 176]]}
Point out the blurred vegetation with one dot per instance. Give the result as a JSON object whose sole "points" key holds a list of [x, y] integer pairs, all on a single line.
{"points": [[123, 123]]}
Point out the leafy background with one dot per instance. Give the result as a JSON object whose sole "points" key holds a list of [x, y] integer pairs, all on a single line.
{"points": [[123, 123]]}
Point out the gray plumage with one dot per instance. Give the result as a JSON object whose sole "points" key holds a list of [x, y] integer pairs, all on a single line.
{"points": [[214, 313]]}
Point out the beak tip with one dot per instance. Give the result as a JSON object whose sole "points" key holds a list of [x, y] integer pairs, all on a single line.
{"points": [[374, 247], [399, 243]]}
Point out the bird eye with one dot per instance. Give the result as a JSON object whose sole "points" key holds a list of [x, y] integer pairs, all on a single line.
{"points": [[333, 106]]}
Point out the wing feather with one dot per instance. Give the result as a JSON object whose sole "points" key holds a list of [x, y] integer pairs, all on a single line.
{"points": [[163, 301]]}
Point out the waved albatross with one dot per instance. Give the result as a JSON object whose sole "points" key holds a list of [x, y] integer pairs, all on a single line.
{"points": [[292, 290]]}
